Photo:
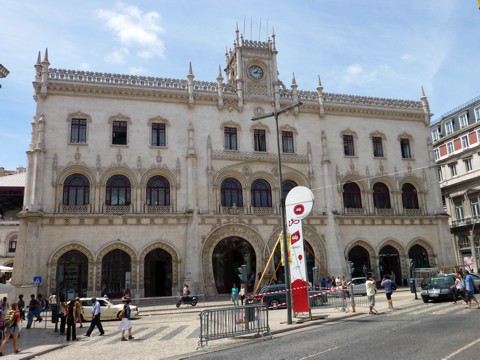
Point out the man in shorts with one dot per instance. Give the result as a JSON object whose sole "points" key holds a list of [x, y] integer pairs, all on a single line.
{"points": [[371, 291]]}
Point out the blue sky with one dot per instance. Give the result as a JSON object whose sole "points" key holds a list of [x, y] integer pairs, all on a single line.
{"points": [[382, 48]]}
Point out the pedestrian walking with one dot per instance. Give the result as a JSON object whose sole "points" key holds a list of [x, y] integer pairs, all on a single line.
{"points": [[62, 311], [21, 306], [12, 328], [387, 284], [235, 295], [371, 291], [126, 324], [71, 321], [242, 293], [95, 318], [79, 311], [470, 290], [458, 288]]}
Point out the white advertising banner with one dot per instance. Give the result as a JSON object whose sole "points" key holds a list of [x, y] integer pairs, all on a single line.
{"points": [[298, 205]]}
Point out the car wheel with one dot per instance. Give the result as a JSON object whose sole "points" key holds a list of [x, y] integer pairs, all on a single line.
{"points": [[425, 300], [178, 303], [194, 302], [318, 301], [274, 304]]}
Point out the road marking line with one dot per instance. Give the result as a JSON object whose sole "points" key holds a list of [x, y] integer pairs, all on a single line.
{"points": [[461, 349], [320, 353]]}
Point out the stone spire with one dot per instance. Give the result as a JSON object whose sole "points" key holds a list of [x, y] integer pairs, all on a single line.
{"points": [[45, 64], [220, 87], [294, 93], [321, 100], [425, 106], [190, 77]]}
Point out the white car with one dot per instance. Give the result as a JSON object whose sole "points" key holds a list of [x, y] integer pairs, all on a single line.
{"points": [[109, 311], [359, 287]]}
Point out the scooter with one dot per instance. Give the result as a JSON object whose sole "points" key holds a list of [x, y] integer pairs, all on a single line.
{"points": [[192, 300]]}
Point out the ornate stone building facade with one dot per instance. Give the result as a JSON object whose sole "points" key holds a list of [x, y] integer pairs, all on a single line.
{"points": [[456, 141], [148, 183]]}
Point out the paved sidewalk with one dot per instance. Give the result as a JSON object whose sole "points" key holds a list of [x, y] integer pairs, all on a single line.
{"points": [[42, 339]]}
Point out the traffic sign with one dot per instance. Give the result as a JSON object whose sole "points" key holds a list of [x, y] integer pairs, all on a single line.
{"points": [[37, 280]]}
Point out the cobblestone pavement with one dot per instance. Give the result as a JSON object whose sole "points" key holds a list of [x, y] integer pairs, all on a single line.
{"points": [[166, 333]]}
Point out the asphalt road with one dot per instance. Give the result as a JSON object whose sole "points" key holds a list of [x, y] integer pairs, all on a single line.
{"points": [[430, 331]]}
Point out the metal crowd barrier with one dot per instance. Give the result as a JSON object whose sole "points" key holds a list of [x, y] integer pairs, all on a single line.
{"points": [[225, 322], [336, 298]]}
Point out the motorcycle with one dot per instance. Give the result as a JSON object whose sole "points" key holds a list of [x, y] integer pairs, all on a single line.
{"points": [[192, 300]]}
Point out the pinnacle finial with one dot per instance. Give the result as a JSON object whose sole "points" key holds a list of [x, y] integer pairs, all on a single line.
{"points": [[190, 72], [39, 58], [45, 59], [294, 82], [319, 81], [422, 94]]}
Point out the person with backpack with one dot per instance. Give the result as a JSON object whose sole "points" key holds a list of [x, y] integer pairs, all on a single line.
{"points": [[71, 320], [12, 328], [387, 284], [126, 324], [470, 290]]}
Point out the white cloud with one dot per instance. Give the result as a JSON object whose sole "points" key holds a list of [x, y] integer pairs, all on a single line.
{"points": [[135, 30], [407, 58], [356, 73], [117, 56], [136, 70]]}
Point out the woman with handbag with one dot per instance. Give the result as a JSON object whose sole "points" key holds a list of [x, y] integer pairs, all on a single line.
{"points": [[126, 324]]}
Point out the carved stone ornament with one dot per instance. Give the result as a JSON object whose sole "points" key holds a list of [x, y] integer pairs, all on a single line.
{"points": [[258, 111]]}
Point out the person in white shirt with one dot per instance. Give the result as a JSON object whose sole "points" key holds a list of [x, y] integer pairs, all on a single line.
{"points": [[95, 318], [371, 291]]}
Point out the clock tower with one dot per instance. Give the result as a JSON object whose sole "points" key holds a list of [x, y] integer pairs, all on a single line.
{"points": [[252, 70]]}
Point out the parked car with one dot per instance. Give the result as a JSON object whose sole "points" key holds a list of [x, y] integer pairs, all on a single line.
{"points": [[359, 287], [476, 281], [425, 282], [439, 288], [109, 311], [274, 296]]}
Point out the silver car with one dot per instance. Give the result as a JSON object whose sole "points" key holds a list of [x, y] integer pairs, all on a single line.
{"points": [[359, 287]]}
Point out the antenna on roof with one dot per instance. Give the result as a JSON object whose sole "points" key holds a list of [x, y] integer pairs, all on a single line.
{"points": [[260, 30]]}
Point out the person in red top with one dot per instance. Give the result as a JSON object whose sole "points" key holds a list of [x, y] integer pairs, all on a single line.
{"points": [[12, 330]]}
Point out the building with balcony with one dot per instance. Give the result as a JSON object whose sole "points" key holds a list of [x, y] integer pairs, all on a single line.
{"points": [[456, 146], [12, 184], [149, 182]]}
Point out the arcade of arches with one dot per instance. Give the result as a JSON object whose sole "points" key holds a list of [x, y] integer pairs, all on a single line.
{"points": [[74, 270], [389, 260]]}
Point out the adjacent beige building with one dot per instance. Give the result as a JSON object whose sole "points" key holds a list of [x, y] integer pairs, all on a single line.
{"points": [[456, 144], [146, 183]]}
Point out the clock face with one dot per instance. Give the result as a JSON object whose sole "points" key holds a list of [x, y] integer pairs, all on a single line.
{"points": [[255, 72]]}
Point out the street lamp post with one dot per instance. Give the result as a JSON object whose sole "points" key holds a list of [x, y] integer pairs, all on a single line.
{"points": [[282, 205]]}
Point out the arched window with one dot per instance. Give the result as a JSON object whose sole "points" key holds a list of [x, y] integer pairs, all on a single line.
{"points": [[158, 191], [352, 197], [76, 190], [409, 196], [231, 192], [381, 196], [12, 244], [287, 185], [118, 191], [261, 194]]}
